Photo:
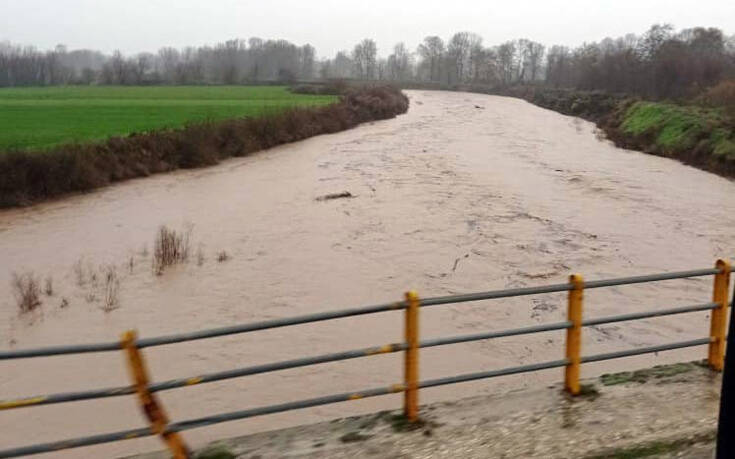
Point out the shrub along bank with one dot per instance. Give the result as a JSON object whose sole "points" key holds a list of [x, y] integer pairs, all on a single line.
{"points": [[29, 176]]}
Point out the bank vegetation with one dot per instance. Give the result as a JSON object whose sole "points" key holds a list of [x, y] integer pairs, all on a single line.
{"points": [[32, 176]]}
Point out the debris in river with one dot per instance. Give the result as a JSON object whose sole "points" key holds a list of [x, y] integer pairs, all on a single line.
{"points": [[329, 197]]}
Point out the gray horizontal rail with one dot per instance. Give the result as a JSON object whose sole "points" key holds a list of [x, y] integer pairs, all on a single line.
{"points": [[76, 442], [329, 399], [201, 379], [215, 419], [649, 314], [523, 291], [266, 324], [651, 278], [495, 294], [269, 367], [498, 334], [334, 357], [202, 334], [60, 350], [65, 397], [494, 373], [646, 350], [317, 317]]}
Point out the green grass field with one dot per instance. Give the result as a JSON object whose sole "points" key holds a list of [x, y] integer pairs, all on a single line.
{"points": [[38, 118]]}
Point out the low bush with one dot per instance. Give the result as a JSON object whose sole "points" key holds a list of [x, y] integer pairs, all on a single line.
{"points": [[721, 95], [34, 176], [27, 291], [170, 247]]}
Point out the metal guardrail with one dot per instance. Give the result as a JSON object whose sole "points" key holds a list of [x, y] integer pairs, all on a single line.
{"points": [[160, 425]]}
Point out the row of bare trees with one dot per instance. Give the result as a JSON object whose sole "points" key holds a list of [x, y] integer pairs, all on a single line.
{"points": [[461, 59], [232, 62], [660, 63]]}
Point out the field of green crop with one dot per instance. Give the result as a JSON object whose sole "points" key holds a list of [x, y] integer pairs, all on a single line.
{"points": [[38, 118]]}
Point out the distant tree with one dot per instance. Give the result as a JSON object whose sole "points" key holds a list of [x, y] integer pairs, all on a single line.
{"points": [[307, 57], [364, 57], [432, 54], [399, 63], [533, 58]]}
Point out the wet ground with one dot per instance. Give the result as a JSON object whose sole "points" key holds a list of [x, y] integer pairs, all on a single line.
{"points": [[464, 193], [668, 414]]}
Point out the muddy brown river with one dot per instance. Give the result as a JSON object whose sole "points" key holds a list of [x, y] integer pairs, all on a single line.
{"points": [[464, 193]]}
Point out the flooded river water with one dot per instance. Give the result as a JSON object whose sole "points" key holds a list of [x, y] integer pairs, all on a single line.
{"points": [[464, 193]]}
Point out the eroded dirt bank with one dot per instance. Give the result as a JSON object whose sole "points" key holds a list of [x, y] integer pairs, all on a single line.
{"points": [[466, 192]]}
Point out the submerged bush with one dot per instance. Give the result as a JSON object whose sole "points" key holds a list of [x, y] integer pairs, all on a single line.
{"points": [[33, 176], [170, 247], [27, 291]]}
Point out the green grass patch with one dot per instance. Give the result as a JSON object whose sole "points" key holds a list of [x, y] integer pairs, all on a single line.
{"points": [[643, 376], [656, 448], [681, 128], [39, 118], [652, 449]]}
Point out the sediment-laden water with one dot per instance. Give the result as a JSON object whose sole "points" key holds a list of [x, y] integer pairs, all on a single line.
{"points": [[464, 193]]}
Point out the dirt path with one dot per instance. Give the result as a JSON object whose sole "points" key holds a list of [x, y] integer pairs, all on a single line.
{"points": [[665, 413], [466, 192]]}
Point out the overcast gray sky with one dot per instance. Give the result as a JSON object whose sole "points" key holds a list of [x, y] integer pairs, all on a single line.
{"points": [[330, 25]]}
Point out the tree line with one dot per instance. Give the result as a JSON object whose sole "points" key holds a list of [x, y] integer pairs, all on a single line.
{"points": [[231, 62], [661, 62]]}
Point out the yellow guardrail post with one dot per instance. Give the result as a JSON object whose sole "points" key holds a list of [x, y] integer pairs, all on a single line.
{"points": [[149, 403], [411, 370], [718, 324], [574, 334]]}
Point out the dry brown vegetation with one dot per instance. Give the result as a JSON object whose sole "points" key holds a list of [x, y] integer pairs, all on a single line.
{"points": [[721, 95], [170, 247], [30, 176], [48, 286], [27, 291], [110, 301]]}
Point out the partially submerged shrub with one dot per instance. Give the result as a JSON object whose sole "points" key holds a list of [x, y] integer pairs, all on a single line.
{"points": [[111, 289], [79, 274], [27, 291], [48, 286], [170, 247], [200, 256]]}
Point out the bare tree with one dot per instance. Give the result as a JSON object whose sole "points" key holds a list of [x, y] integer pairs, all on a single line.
{"points": [[364, 57], [432, 54], [399, 63], [533, 57]]}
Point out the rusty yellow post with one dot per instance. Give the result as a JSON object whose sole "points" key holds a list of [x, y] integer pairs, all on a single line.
{"points": [[574, 334], [148, 402], [411, 370], [718, 324]]}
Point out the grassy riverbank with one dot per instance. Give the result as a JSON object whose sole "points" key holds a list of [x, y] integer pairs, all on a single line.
{"points": [[701, 136], [32, 175], [695, 133]]}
